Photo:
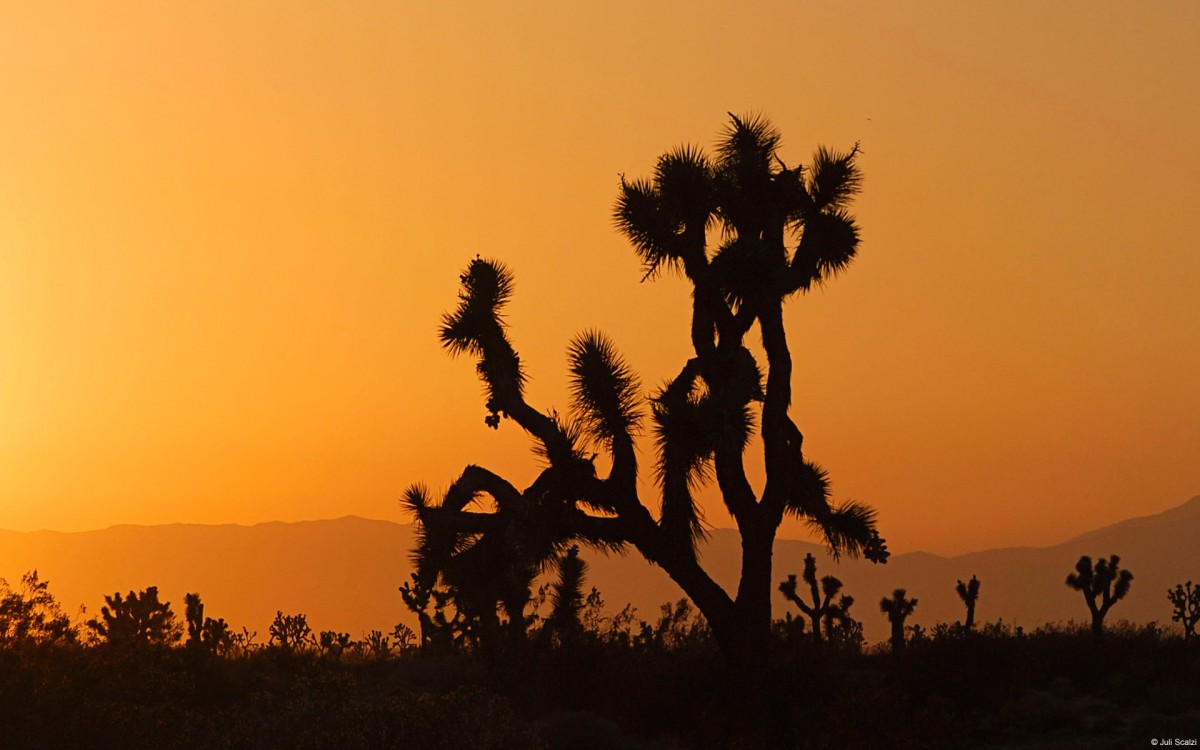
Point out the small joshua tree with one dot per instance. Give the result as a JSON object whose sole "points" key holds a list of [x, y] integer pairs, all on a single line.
{"points": [[897, 609], [139, 619], [238, 644], [194, 615], [333, 644], [428, 602], [216, 637], [1186, 601], [842, 630], [1104, 581], [822, 606], [404, 638], [377, 646], [969, 593], [205, 633], [291, 633]]}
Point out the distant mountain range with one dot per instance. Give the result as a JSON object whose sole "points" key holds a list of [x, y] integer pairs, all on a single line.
{"points": [[344, 573]]}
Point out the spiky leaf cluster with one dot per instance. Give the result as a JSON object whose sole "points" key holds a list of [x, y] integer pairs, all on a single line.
{"points": [[604, 390], [1105, 580], [566, 595], [665, 217], [898, 606], [969, 591], [477, 328]]}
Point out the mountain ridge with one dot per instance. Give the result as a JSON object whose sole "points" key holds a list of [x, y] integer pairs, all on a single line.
{"points": [[1189, 506], [344, 572]]}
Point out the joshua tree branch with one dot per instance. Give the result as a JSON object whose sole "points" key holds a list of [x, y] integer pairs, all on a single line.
{"points": [[735, 486], [476, 479], [789, 592], [781, 440], [509, 400]]}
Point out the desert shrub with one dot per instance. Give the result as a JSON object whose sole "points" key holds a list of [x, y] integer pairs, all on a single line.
{"points": [[29, 613]]}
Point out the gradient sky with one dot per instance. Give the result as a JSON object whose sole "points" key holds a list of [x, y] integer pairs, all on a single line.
{"points": [[228, 230]]}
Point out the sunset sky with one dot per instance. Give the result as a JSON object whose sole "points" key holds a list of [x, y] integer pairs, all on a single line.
{"points": [[228, 231]]}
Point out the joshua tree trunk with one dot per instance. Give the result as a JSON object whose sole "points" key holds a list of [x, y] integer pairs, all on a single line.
{"points": [[897, 635], [754, 594]]}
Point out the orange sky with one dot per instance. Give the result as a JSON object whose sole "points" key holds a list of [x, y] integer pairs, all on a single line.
{"points": [[228, 230]]}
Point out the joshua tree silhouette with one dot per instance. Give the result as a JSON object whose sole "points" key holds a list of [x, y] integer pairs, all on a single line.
{"points": [[782, 231], [1105, 581], [205, 633], [823, 607], [139, 618], [841, 628], [333, 644], [194, 616], [969, 593], [437, 631], [897, 609], [291, 634], [1186, 602]]}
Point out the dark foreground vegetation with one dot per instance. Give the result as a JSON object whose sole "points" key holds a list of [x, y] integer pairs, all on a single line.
{"points": [[991, 688], [592, 681]]}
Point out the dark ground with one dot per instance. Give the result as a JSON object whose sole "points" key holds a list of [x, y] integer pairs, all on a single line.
{"points": [[1056, 688]]}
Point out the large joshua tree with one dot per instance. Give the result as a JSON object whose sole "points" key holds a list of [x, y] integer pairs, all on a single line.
{"points": [[748, 232]]}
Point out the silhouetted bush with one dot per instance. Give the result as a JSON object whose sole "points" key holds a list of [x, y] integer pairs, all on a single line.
{"points": [[30, 614]]}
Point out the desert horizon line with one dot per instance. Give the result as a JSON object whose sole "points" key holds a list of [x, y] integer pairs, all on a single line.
{"points": [[716, 529]]}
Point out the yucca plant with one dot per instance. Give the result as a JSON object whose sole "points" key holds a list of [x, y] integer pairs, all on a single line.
{"points": [[748, 233]]}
